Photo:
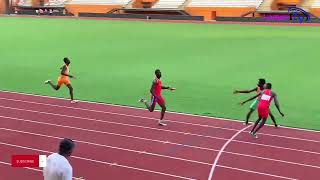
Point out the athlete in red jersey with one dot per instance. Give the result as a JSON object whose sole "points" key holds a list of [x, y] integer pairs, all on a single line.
{"points": [[156, 96], [253, 106], [265, 99]]}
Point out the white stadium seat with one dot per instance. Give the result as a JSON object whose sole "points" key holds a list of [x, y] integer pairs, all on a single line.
{"points": [[225, 3], [169, 4], [100, 2]]}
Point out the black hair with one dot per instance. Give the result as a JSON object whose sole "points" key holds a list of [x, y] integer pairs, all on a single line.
{"points": [[268, 86], [66, 146], [157, 71], [262, 81], [66, 60]]}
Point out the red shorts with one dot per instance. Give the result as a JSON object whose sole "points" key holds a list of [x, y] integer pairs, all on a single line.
{"points": [[158, 99], [263, 112]]}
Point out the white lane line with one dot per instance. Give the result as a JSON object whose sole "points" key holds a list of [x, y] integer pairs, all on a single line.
{"points": [[221, 151], [289, 137], [144, 127], [160, 155], [128, 167], [96, 131], [143, 109], [124, 124], [97, 161], [155, 119], [118, 114], [38, 170], [270, 159], [107, 146], [278, 147], [153, 140], [244, 170], [109, 122]]}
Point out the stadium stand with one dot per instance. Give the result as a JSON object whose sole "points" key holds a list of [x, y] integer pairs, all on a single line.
{"points": [[41, 3], [100, 2], [209, 9], [56, 2], [37, 7], [225, 3], [285, 4], [169, 4], [3, 7], [316, 4], [227, 8], [94, 6], [24, 3], [315, 7], [307, 4], [266, 5]]}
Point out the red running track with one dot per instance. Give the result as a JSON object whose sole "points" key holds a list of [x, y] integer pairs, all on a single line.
{"points": [[123, 143]]}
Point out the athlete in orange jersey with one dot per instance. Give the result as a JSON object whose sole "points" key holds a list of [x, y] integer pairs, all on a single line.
{"points": [[156, 96], [64, 79]]}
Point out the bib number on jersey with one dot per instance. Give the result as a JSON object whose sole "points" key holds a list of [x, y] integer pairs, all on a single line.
{"points": [[265, 97]]}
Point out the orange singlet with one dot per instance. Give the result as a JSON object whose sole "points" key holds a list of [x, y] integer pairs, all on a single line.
{"points": [[64, 79]]}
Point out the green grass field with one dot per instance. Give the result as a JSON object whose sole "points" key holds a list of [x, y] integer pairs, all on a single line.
{"points": [[115, 61]]}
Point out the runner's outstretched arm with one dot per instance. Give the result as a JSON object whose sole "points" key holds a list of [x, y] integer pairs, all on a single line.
{"points": [[168, 87], [244, 91], [254, 97]]}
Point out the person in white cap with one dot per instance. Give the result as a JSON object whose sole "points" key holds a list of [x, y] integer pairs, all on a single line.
{"points": [[58, 166]]}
